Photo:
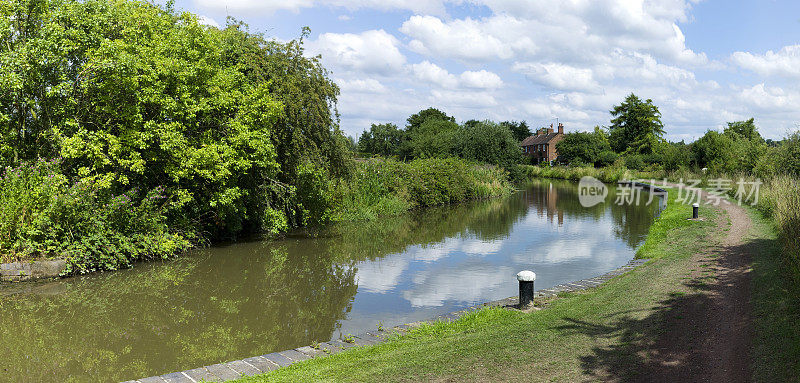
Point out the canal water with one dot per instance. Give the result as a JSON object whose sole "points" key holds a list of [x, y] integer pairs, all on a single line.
{"points": [[252, 298]]}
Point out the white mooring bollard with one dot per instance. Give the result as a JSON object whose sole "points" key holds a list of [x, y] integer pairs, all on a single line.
{"points": [[526, 279]]}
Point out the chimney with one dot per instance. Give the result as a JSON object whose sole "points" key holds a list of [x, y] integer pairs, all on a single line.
{"points": [[550, 130], [560, 128]]}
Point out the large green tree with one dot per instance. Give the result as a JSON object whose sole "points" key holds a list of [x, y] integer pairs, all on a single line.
{"points": [[737, 149], [242, 131], [520, 130], [382, 139], [488, 142], [417, 119], [636, 126], [583, 147]]}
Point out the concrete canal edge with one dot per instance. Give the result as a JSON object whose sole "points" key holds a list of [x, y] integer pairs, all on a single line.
{"points": [[28, 271], [256, 365]]}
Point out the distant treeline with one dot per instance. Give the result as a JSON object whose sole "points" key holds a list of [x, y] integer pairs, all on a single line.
{"points": [[433, 134]]}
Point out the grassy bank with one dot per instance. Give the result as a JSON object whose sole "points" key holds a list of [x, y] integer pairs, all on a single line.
{"points": [[601, 333], [379, 187], [776, 351]]}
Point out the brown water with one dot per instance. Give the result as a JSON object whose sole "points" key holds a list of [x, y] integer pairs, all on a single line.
{"points": [[252, 298]]}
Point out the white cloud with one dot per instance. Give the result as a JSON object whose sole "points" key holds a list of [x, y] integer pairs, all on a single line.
{"points": [[271, 6], [462, 39], [205, 20], [558, 76], [247, 6], [481, 79], [373, 51], [430, 73], [783, 63], [369, 85]]}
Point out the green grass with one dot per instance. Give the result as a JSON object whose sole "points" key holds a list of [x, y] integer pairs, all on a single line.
{"points": [[597, 334], [672, 218], [776, 314]]}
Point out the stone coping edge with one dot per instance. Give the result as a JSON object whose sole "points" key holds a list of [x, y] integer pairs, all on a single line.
{"points": [[28, 271], [223, 372]]}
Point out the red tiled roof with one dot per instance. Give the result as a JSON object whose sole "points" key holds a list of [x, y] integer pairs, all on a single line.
{"points": [[539, 139]]}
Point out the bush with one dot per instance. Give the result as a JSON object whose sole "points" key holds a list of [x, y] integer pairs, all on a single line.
{"points": [[606, 158], [388, 187], [488, 142], [45, 216], [136, 96], [635, 162]]}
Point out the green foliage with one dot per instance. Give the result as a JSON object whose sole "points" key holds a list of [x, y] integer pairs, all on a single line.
{"points": [[416, 120], [778, 198], [737, 149], [584, 148], [434, 138], [520, 130], [636, 126], [606, 158], [488, 142], [744, 129], [240, 132], [382, 139], [135, 96], [388, 187], [43, 215]]}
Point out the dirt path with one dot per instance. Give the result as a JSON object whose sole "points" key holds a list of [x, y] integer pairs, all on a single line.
{"points": [[708, 338]]}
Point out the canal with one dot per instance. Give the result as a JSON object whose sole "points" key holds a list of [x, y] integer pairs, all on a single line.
{"points": [[256, 297]]}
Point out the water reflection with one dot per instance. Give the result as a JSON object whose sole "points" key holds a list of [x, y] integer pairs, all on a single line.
{"points": [[253, 298]]}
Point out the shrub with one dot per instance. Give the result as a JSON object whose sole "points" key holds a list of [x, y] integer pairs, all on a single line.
{"points": [[388, 187], [45, 216]]}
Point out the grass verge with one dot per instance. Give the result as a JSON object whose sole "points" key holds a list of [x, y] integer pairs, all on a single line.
{"points": [[603, 333], [776, 315]]}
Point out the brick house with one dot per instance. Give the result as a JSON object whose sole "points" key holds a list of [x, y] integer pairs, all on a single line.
{"points": [[541, 147]]}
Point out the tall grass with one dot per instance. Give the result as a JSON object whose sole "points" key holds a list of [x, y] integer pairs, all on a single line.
{"points": [[608, 174], [381, 187], [780, 199]]}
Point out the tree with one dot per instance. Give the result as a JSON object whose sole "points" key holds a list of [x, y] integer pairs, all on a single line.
{"points": [[488, 142], [136, 96], [382, 139], [434, 138], [582, 147], [744, 129], [636, 127], [416, 120], [519, 130]]}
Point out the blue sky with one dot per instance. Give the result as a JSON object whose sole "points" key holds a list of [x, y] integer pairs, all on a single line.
{"points": [[704, 63]]}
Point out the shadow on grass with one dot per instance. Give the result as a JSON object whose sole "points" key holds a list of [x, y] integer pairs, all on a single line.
{"points": [[702, 334]]}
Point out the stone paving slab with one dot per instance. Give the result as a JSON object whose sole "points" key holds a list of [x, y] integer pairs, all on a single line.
{"points": [[260, 364], [243, 368], [310, 351], [177, 377], [295, 355], [202, 374], [222, 371], [278, 359]]}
